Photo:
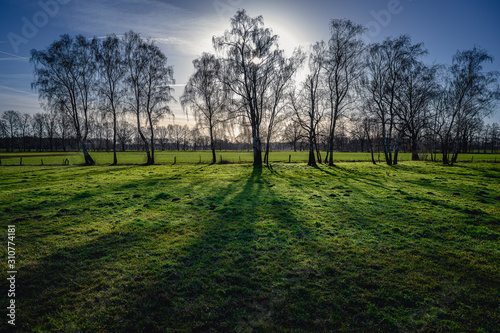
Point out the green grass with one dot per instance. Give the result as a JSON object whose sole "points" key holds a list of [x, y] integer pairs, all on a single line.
{"points": [[225, 248], [168, 157]]}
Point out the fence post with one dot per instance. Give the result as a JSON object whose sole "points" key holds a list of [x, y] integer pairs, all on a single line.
{"points": [[20, 161], [289, 158], [175, 159], [42, 160]]}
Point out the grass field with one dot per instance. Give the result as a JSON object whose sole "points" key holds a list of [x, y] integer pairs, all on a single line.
{"points": [[168, 157], [232, 248]]}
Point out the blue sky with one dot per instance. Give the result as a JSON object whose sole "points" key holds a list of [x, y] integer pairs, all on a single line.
{"points": [[184, 28]]}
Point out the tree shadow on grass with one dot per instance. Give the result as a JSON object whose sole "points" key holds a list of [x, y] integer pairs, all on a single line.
{"points": [[249, 269], [250, 264]]}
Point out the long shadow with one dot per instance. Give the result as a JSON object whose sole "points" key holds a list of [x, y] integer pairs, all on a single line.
{"points": [[249, 264], [246, 271], [356, 175], [432, 185], [49, 284]]}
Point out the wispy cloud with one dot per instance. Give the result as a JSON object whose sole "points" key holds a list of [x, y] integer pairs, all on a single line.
{"points": [[18, 91], [178, 30], [12, 57], [28, 104], [23, 76]]}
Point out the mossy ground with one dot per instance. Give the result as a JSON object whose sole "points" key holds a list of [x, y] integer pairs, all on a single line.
{"points": [[285, 248]]}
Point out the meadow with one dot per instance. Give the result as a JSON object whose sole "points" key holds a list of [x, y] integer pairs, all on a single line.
{"points": [[195, 247], [204, 157]]}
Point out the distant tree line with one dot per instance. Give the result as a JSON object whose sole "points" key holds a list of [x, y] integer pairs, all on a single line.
{"points": [[39, 132], [341, 95]]}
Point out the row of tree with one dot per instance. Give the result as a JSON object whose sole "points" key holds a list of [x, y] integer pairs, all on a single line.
{"points": [[77, 77], [51, 132], [249, 86], [384, 86]]}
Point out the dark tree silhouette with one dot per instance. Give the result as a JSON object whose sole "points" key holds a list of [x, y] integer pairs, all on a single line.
{"points": [[249, 52], [470, 94], [282, 81], [64, 76], [149, 79], [11, 120], [306, 103], [111, 63], [385, 63], [207, 96], [418, 87], [343, 68]]}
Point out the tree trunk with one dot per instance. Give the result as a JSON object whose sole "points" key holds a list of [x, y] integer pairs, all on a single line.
{"points": [[143, 138], [444, 151], [212, 144], [414, 148], [152, 160], [257, 148], [312, 159], [318, 152], [371, 146], [257, 152], [329, 156], [86, 155], [266, 154], [115, 159], [331, 141], [396, 151], [388, 157]]}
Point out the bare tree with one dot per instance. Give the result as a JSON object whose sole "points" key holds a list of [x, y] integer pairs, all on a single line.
{"points": [[157, 91], [149, 79], [110, 59], [418, 86], [470, 94], [51, 127], [38, 128], [162, 136], [64, 76], [385, 63], [64, 127], [250, 50], [306, 104], [494, 137], [369, 128], [136, 63], [343, 68], [24, 129], [293, 133], [285, 69], [207, 96], [3, 132], [125, 133], [12, 121], [176, 134]]}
